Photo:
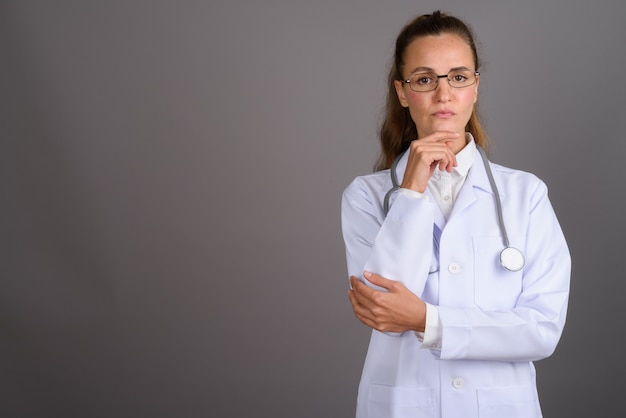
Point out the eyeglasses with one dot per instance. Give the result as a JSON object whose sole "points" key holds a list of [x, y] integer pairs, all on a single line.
{"points": [[427, 81]]}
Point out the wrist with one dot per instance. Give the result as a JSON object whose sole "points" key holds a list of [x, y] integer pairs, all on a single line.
{"points": [[420, 325]]}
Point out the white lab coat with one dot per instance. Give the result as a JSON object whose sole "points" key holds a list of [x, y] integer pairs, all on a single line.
{"points": [[494, 322]]}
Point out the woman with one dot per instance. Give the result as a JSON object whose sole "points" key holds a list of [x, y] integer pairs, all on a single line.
{"points": [[454, 328]]}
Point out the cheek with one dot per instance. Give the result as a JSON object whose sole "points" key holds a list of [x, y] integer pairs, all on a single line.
{"points": [[418, 101], [468, 98]]}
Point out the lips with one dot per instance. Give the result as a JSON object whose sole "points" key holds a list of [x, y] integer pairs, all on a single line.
{"points": [[444, 113]]}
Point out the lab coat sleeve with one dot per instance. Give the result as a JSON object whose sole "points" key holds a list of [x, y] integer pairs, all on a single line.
{"points": [[398, 246], [532, 328]]}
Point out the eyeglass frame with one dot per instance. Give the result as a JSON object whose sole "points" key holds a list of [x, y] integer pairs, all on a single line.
{"points": [[437, 77]]}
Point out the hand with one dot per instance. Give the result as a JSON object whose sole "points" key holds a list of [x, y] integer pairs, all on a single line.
{"points": [[425, 154], [396, 310]]}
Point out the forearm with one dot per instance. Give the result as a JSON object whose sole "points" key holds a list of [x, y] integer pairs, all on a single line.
{"points": [[399, 248]]}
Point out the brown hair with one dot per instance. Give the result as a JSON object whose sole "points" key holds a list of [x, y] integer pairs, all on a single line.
{"points": [[398, 129]]}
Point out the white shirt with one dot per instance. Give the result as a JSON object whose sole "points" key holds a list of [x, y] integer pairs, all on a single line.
{"points": [[445, 188]]}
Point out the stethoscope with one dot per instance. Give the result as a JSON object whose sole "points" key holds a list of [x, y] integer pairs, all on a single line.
{"points": [[511, 258]]}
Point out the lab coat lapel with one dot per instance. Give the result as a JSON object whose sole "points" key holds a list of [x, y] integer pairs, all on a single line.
{"points": [[476, 178]]}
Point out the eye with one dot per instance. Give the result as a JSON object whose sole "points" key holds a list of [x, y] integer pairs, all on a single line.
{"points": [[423, 79], [459, 77]]}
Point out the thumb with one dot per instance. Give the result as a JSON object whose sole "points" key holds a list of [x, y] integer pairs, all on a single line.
{"points": [[378, 280]]}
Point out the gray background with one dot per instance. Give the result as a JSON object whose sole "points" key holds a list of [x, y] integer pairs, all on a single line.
{"points": [[170, 180]]}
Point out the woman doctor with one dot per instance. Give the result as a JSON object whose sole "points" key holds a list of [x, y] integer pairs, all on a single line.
{"points": [[455, 327]]}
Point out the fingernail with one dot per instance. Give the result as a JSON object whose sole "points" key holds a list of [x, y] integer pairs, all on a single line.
{"points": [[367, 274]]}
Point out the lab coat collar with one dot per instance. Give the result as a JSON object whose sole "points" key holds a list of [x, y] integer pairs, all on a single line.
{"points": [[477, 176]]}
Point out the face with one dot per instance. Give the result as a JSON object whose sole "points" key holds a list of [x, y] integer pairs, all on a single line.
{"points": [[445, 108]]}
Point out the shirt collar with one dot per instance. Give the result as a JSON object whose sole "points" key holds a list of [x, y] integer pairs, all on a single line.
{"points": [[465, 157]]}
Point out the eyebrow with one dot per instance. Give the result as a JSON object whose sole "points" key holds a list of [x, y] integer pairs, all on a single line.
{"points": [[430, 70]]}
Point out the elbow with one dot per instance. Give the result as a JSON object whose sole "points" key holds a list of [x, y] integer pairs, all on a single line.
{"points": [[548, 337]]}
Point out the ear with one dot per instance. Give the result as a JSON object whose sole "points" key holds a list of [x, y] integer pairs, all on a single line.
{"points": [[476, 88], [399, 85]]}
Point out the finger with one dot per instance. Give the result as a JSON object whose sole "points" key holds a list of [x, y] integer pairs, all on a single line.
{"points": [[423, 159], [447, 165], [356, 284], [358, 288], [362, 312], [442, 158], [446, 159], [351, 281], [444, 139], [362, 293], [440, 148], [440, 136], [353, 301], [450, 145]]}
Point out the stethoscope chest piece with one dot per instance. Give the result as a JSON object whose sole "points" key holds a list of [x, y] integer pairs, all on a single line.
{"points": [[512, 259]]}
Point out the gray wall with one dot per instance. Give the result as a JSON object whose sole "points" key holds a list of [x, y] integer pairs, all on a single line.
{"points": [[170, 177]]}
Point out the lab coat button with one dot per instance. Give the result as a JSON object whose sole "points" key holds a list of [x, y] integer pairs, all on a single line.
{"points": [[458, 383], [454, 268]]}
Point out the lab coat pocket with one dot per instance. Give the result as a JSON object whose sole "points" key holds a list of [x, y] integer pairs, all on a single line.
{"points": [[400, 402], [509, 402], [495, 287]]}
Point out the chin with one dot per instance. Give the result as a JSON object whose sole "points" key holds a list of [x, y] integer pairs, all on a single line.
{"points": [[449, 126], [444, 126]]}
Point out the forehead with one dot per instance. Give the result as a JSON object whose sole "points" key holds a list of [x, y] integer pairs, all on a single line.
{"points": [[439, 53]]}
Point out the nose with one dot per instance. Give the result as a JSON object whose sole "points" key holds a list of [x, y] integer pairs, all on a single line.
{"points": [[443, 90]]}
